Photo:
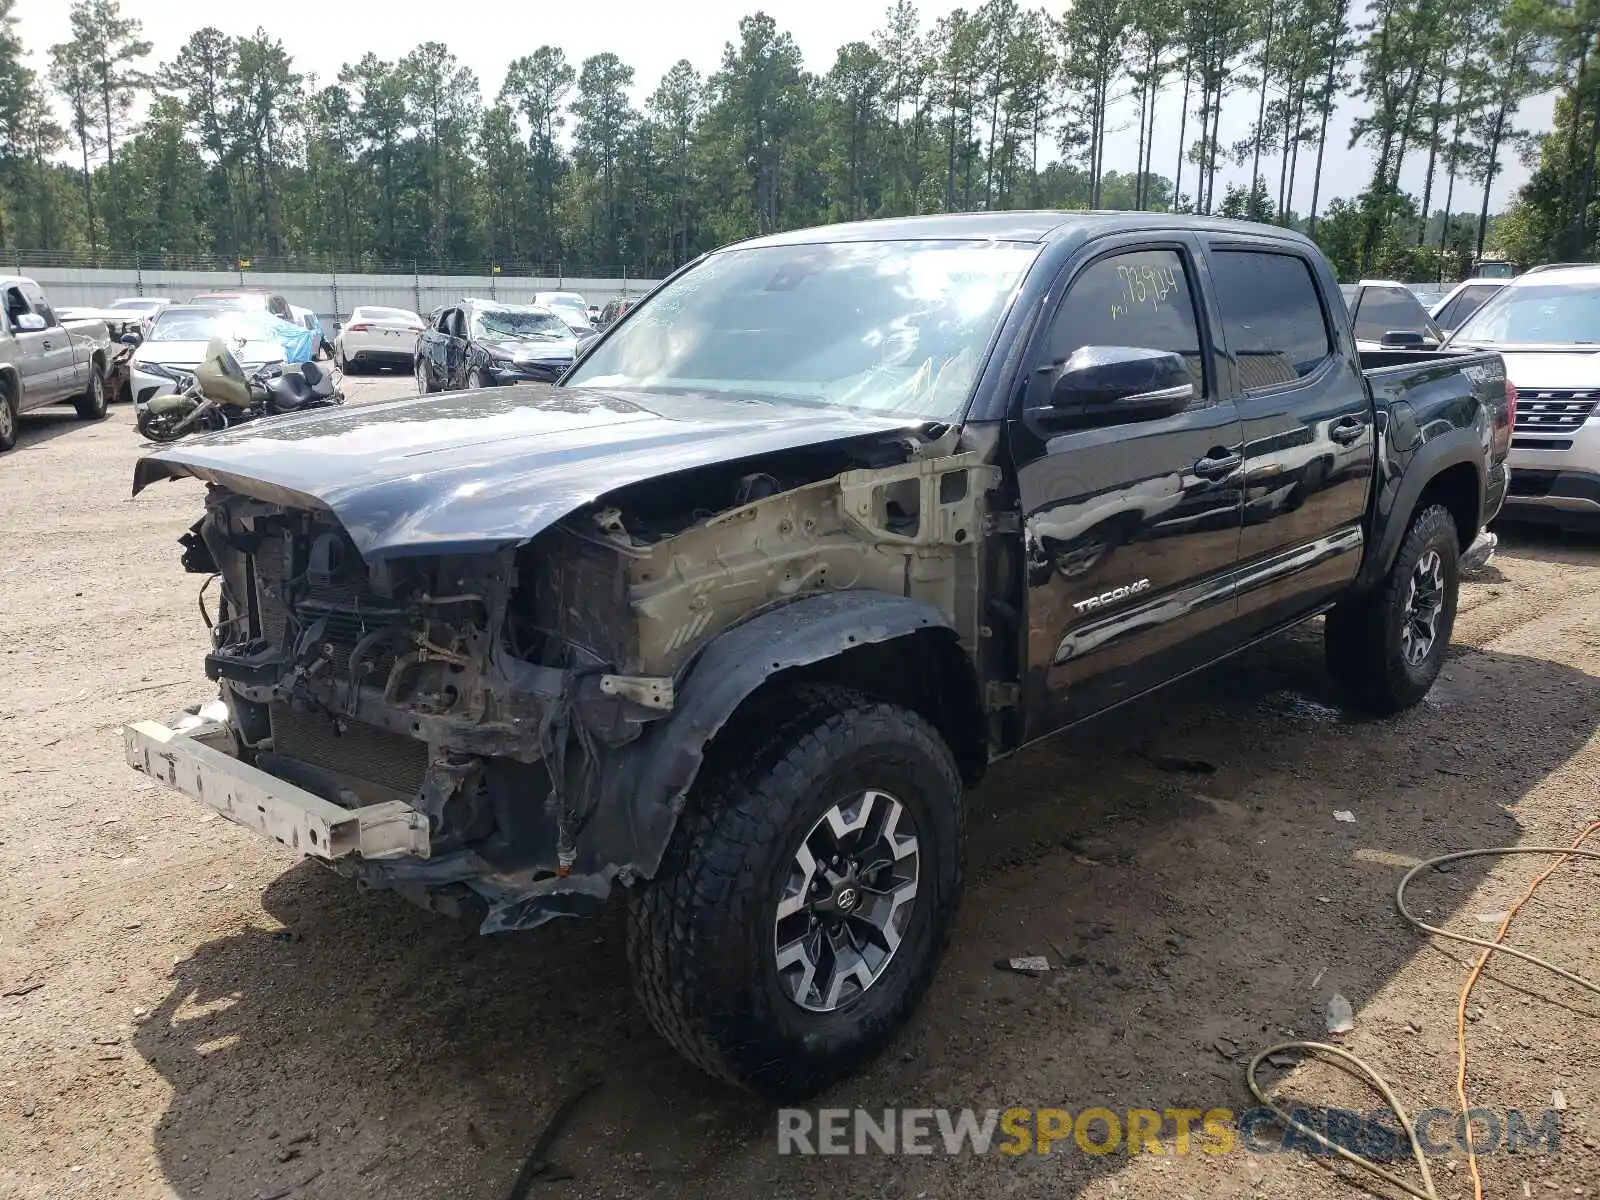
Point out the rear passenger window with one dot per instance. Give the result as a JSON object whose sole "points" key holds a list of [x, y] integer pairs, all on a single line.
{"points": [[1271, 316], [1140, 299], [1381, 309]]}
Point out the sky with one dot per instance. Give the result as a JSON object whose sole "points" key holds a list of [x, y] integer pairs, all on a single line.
{"points": [[651, 35]]}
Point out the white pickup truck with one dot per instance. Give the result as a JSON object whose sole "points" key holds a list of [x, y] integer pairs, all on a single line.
{"points": [[43, 361]]}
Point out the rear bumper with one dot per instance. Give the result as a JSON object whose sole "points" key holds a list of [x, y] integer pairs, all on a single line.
{"points": [[389, 356], [190, 754]]}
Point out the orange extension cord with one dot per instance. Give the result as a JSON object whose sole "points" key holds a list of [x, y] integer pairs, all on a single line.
{"points": [[1472, 978], [1355, 1066]]}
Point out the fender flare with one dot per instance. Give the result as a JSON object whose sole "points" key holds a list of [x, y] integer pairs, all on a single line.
{"points": [[646, 784], [1422, 467]]}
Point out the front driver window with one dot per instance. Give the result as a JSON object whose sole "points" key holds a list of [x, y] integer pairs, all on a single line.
{"points": [[16, 306], [1142, 299]]}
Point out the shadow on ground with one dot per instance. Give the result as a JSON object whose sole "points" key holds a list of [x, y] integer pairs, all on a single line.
{"points": [[43, 425], [1578, 545], [1179, 862]]}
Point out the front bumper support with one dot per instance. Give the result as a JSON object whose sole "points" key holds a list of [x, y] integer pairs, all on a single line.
{"points": [[184, 755]]}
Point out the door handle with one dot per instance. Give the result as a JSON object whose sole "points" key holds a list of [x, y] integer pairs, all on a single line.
{"points": [[1217, 465], [48, 345], [1347, 429]]}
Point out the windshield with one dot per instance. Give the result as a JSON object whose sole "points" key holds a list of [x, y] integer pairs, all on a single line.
{"points": [[523, 325], [136, 304], [570, 309], [201, 325], [386, 314], [883, 326], [1535, 314]]}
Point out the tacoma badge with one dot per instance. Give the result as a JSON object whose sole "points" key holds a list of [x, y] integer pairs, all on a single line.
{"points": [[1115, 594]]}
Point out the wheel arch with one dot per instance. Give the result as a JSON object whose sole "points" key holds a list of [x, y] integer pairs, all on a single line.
{"points": [[888, 647], [1449, 471]]}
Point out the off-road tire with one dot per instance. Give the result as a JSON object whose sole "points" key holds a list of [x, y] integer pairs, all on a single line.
{"points": [[475, 380], [700, 934], [91, 405], [1362, 637], [422, 377]]}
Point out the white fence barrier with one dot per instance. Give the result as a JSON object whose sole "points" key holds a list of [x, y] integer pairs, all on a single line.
{"points": [[330, 296]]}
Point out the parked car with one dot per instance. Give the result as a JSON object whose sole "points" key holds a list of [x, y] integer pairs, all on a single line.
{"points": [[1388, 314], [1462, 301], [117, 321], [569, 306], [248, 298], [1427, 294], [1546, 325], [376, 336], [118, 324], [43, 362], [730, 616], [180, 335], [482, 343], [145, 306]]}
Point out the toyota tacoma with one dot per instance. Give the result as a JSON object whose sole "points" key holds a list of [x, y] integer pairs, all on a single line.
{"points": [[728, 619]]}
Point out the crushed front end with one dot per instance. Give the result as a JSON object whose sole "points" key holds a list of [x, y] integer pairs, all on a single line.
{"points": [[409, 693], [501, 729]]}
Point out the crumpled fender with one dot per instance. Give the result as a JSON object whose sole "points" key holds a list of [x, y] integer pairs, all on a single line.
{"points": [[645, 785]]}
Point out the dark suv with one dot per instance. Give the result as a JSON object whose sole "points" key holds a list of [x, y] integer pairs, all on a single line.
{"points": [[483, 343]]}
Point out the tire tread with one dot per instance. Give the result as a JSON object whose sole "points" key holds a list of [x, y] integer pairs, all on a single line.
{"points": [[742, 806]]}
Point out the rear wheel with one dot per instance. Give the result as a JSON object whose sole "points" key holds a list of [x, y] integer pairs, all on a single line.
{"points": [[474, 378], [1386, 648], [91, 405], [806, 896], [424, 384], [8, 415]]}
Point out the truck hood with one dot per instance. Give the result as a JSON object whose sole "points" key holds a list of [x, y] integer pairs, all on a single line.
{"points": [[472, 471], [1576, 368]]}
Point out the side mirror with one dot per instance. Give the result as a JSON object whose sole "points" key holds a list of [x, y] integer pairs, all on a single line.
{"points": [[1108, 385], [29, 323], [130, 339], [1403, 339]]}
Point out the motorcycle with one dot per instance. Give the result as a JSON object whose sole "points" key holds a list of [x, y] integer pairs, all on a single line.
{"points": [[219, 395]]}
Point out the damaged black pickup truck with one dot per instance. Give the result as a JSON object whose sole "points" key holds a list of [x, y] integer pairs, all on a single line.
{"points": [[729, 618]]}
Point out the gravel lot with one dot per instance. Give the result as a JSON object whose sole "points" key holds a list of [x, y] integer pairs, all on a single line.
{"points": [[190, 1013]]}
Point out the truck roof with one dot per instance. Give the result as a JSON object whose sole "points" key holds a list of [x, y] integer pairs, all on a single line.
{"points": [[1041, 226]]}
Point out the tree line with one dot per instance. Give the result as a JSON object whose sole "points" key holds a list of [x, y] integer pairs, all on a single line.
{"points": [[238, 155]]}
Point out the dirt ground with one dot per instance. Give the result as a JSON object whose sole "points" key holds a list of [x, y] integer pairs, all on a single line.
{"points": [[189, 1013]]}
